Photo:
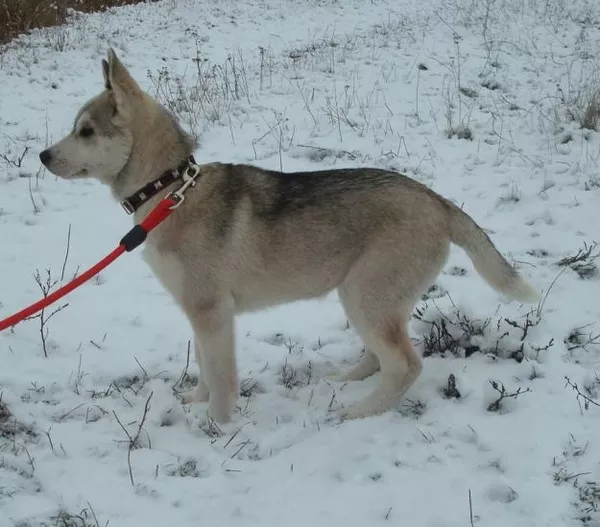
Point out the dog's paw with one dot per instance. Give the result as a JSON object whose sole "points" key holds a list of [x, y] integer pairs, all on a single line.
{"points": [[219, 413], [349, 414], [360, 410], [334, 418], [340, 376], [199, 395]]}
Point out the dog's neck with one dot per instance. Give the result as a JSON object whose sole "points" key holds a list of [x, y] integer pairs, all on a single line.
{"points": [[161, 146]]}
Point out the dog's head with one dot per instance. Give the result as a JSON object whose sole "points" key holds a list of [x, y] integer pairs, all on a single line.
{"points": [[101, 140]]}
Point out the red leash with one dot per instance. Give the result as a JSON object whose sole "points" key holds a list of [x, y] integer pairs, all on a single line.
{"points": [[129, 242]]}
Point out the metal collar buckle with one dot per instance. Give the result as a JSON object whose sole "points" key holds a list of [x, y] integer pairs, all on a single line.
{"points": [[128, 206], [189, 180]]}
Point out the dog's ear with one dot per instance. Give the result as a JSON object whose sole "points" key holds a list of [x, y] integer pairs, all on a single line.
{"points": [[120, 82], [105, 75]]}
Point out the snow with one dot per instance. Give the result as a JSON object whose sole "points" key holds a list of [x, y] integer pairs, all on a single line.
{"points": [[348, 83]]}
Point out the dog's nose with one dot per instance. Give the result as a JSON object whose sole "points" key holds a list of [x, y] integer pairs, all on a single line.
{"points": [[45, 156]]}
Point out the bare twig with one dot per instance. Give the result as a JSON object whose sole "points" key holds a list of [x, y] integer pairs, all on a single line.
{"points": [[16, 161], [67, 414], [36, 208], [499, 387], [50, 441], [134, 440], [184, 373], [45, 287], [471, 509], [587, 400], [96, 522], [64, 265], [577, 338], [242, 446], [523, 327]]}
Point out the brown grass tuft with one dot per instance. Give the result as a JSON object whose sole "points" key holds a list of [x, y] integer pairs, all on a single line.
{"points": [[21, 16]]}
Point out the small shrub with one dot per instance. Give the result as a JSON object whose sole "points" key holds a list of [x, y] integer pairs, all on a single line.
{"points": [[583, 262], [461, 131], [588, 502], [11, 429], [450, 391], [64, 518], [591, 111], [582, 103], [468, 92], [185, 468], [579, 338], [456, 334], [412, 408], [491, 84]]}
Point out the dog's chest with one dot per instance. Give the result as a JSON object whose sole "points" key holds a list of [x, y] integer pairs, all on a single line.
{"points": [[168, 269]]}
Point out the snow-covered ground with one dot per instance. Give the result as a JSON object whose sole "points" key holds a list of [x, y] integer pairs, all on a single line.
{"points": [[482, 101]]}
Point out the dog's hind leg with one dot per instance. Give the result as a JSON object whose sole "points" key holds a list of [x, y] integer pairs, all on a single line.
{"points": [[388, 339], [378, 295]]}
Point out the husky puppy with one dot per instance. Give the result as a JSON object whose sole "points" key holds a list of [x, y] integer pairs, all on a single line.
{"points": [[247, 238]]}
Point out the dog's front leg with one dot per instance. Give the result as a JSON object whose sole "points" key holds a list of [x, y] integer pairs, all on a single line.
{"points": [[213, 324]]}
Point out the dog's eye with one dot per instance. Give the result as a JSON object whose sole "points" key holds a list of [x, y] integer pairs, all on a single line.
{"points": [[86, 132]]}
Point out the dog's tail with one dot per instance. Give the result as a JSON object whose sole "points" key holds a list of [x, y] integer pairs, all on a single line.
{"points": [[488, 262]]}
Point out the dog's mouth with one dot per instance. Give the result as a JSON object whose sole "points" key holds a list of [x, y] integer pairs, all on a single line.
{"points": [[69, 175]]}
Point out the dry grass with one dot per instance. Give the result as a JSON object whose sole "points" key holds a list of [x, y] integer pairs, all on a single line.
{"points": [[591, 112], [20, 16]]}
